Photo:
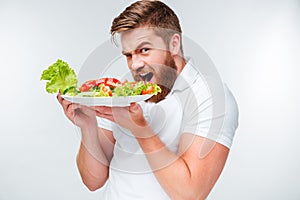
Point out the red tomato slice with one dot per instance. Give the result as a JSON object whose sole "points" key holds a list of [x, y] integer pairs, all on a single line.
{"points": [[149, 90], [87, 85], [106, 89], [100, 81], [112, 82]]}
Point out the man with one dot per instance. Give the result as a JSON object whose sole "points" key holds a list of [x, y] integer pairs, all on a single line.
{"points": [[173, 146]]}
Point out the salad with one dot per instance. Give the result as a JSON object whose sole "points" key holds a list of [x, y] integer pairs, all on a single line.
{"points": [[61, 78]]}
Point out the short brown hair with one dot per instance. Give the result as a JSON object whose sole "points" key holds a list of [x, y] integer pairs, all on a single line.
{"points": [[154, 14]]}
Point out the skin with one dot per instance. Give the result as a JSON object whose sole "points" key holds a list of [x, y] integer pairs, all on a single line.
{"points": [[96, 148], [183, 175]]}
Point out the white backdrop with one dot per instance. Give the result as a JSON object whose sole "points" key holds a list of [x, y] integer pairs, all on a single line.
{"points": [[254, 44]]}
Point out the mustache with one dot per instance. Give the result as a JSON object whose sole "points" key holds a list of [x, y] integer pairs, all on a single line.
{"points": [[149, 68], [144, 73]]}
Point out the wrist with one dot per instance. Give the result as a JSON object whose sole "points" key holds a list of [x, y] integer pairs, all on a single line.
{"points": [[90, 130], [89, 125], [149, 141], [143, 132]]}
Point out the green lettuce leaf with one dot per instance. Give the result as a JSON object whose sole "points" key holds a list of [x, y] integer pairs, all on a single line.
{"points": [[129, 89], [60, 77]]}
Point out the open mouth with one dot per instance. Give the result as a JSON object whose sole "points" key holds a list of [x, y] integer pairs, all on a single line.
{"points": [[146, 77]]}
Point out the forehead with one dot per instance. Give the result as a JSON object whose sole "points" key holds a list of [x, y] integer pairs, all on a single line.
{"points": [[132, 39]]}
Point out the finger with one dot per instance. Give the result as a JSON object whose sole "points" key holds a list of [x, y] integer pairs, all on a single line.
{"points": [[102, 109], [84, 109], [71, 109], [106, 116], [59, 98], [101, 114], [76, 106], [134, 108], [62, 101], [66, 104], [136, 114]]}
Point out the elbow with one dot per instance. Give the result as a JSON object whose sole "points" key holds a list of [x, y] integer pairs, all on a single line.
{"points": [[197, 193], [94, 183], [91, 178], [93, 186], [195, 196], [199, 196], [192, 193]]}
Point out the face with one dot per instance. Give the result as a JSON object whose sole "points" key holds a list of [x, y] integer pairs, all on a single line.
{"points": [[149, 60]]}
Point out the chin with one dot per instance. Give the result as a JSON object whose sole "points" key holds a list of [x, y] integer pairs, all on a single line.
{"points": [[153, 80], [160, 96]]}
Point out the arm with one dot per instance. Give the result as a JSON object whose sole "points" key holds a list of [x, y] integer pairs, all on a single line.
{"points": [[184, 176], [94, 156], [96, 145]]}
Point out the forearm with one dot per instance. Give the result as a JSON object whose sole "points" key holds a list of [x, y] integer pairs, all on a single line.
{"points": [[171, 170], [183, 177], [92, 162]]}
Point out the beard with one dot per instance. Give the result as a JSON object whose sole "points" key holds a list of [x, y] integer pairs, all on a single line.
{"points": [[165, 75]]}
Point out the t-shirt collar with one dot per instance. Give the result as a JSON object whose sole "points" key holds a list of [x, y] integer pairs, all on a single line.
{"points": [[186, 78]]}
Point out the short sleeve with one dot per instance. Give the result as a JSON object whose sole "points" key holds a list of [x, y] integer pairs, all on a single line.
{"points": [[210, 116], [105, 123]]}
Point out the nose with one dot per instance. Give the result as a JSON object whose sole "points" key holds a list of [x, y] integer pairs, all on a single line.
{"points": [[137, 62]]}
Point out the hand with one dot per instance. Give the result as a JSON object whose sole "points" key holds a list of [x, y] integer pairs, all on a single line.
{"points": [[81, 116], [130, 117]]}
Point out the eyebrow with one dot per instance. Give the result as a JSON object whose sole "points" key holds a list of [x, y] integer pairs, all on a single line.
{"points": [[138, 47]]}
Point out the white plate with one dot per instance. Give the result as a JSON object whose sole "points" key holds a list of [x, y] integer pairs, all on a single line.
{"points": [[106, 101]]}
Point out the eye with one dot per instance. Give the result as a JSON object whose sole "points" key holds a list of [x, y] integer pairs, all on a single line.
{"points": [[128, 55], [144, 50]]}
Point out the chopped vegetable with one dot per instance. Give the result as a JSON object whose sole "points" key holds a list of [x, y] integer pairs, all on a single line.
{"points": [[60, 78], [136, 88], [110, 82]]}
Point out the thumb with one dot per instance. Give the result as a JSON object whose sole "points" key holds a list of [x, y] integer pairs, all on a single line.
{"points": [[134, 108], [136, 114]]}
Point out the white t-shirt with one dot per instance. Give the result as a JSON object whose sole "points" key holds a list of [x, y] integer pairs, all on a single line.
{"points": [[197, 105]]}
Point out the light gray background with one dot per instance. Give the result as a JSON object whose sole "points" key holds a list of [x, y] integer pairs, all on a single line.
{"points": [[254, 44]]}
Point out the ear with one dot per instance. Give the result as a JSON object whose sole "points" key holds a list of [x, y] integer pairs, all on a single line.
{"points": [[175, 45]]}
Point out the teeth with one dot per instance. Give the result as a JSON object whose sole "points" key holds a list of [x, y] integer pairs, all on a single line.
{"points": [[146, 76]]}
